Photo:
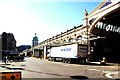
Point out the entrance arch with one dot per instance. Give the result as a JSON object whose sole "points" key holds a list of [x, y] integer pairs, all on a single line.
{"points": [[108, 43], [115, 7]]}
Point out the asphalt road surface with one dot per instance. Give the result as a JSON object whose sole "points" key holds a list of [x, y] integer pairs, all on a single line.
{"points": [[39, 68]]}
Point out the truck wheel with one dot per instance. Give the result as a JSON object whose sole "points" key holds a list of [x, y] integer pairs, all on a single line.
{"points": [[63, 60], [84, 61], [53, 59], [66, 60], [48, 59], [69, 61], [87, 61]]}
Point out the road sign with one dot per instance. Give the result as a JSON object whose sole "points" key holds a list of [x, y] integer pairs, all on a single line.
{"points": [[10, 75]]}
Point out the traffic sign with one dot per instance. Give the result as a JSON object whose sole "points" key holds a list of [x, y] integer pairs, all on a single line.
{"points": [[10, 75]]}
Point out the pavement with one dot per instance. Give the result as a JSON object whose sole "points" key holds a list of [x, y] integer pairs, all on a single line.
{"points": [[16, 66], [10, 66]]}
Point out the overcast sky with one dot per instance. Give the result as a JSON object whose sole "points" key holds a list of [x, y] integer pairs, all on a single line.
{"points": [[24, 18]]}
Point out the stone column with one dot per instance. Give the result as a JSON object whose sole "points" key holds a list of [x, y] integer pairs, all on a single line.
{"points": [[33, 52], [45, 49], [0, 47]]}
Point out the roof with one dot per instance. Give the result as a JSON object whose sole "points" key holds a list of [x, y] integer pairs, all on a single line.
{"points": [[99, 6], [35, 38]]}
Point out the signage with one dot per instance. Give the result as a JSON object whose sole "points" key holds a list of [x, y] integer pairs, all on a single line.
{"points": [[107, 27], [110, 2], [66, 49], [10, 75], [106, 4]]}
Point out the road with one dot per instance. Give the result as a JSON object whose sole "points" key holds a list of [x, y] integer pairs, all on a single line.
{"points": [[37, 68]]}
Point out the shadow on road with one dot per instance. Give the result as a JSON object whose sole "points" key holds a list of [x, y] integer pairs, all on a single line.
{"points": [[14, 68], [47, 73], [92, 64], [95, 64], [4, 64], [79, 77], [72, 77]]}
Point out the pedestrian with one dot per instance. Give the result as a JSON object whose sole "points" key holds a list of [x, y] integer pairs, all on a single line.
{"points": [[103, 61], [5, 59]]}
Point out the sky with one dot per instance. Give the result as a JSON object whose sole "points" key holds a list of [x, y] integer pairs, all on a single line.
{"points": [[46, 18]]}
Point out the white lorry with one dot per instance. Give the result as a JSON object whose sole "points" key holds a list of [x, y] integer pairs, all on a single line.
{"points": [[69, 53]]}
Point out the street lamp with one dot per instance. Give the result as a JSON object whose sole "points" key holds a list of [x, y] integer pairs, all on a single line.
{"points": [[85, 23]]}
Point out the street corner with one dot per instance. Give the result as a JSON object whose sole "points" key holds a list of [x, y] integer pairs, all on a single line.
{"points": [[3, 65], [15, 68], [3, 68], [9, 67]]}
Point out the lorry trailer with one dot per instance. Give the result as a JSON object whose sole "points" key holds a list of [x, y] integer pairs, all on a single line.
{"points": [[69, 53]]}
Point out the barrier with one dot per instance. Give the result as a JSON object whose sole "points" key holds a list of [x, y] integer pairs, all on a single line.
{"points": [[10, 75]]}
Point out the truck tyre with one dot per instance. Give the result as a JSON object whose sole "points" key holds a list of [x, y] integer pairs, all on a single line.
{"points": [[69, 61], [84, 61], [66, 60], [48, 59], [63, 60], [53, 59]]}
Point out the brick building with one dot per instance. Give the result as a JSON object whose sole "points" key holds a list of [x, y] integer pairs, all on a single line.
{"points": [[8, 43]]}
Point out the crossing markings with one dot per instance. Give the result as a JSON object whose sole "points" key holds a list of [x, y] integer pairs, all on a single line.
{"points": [[109, 73]]}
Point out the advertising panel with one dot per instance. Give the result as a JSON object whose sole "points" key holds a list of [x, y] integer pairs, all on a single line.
{"points": [[69, 51]]}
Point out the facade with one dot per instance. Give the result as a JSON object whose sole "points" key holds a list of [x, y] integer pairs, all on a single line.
{"points": [[35, 40], [103, 23], [0, 47], [100, 30], [8, 43]]}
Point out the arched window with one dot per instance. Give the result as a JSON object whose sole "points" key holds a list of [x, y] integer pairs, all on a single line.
{"points": [[71, 39], [79, 37]]}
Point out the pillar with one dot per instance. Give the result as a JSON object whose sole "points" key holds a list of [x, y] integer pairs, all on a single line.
{"points": [[0, 47], [45, 49], [33, 52]]}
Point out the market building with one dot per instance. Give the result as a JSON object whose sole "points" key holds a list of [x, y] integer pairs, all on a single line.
{"points": [[103, 23], [100, 30]]}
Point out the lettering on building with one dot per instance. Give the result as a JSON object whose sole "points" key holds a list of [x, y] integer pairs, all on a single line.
{"points": [[107, 27]]}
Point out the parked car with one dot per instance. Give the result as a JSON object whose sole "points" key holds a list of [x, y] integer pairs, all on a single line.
{"points": [[16, 58]]}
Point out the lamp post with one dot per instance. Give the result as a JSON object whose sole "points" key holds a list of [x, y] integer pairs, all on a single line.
{"points": [[85, 23], [75, 33], [67, 36], [61, 38]]}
